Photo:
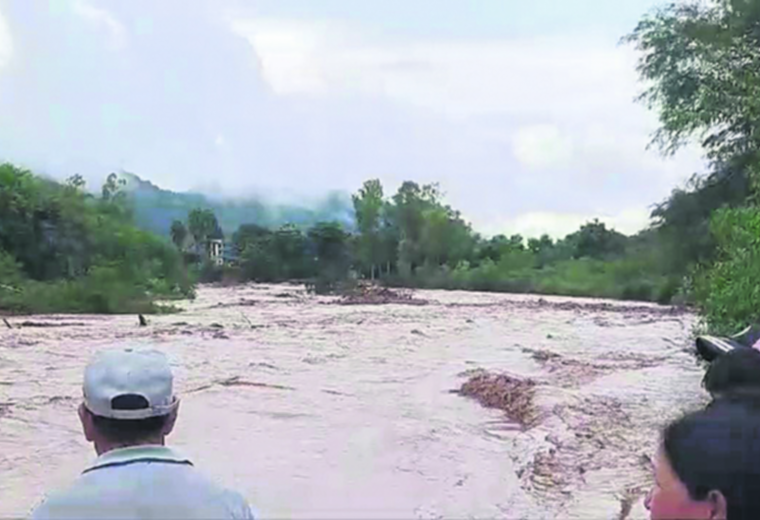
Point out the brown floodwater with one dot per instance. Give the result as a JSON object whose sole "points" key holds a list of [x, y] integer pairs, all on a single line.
{"points": [[313, 409]]}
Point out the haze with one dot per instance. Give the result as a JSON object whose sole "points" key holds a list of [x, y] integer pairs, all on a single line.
{"points": [[523, 111]]}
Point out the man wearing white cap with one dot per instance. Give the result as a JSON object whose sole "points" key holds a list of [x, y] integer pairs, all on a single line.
{"points": [[129, 408]]}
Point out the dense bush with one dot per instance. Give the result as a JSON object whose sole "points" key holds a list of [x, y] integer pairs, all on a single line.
{"points": [[620, 279], [728, 290], [63, 250], [412, 239]]}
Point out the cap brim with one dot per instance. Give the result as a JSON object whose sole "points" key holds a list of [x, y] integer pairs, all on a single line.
{"points": [[135, 415]]}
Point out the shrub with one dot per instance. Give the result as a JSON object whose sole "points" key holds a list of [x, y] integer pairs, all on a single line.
{"points": [[727, 292]]}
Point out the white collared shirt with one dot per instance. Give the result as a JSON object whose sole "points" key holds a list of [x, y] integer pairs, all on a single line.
{"points": [[143, 482]]}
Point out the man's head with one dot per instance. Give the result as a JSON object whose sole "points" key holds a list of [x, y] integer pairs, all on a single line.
{"points": [[128, 399], [735, 373]]}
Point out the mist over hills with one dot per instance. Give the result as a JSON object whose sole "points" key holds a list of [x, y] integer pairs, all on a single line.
{"points": [[156, 208]]}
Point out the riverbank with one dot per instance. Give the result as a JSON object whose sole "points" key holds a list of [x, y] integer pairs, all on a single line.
{"points": [[314, 408]]}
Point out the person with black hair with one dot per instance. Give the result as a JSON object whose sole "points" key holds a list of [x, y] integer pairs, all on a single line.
{"points": [[129, 408], [735, 374], [708, 466]]}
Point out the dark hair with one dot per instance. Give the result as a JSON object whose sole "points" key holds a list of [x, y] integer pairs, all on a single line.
{"points": [[718, 449], [737, 371], [129, 431], [124, 431]]}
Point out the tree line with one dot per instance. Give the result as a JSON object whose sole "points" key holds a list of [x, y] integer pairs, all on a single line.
{"points": [[414, 239], [64, 249]]}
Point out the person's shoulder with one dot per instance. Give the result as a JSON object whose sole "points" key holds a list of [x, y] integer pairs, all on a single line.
{"points": [[233, 502], [237, 504], [73, 501], [58, 505]]}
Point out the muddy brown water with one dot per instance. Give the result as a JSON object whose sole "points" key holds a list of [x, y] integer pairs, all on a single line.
{"points": [[315, 410]]}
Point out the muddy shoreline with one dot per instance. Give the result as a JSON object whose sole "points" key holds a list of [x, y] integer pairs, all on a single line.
{"points": [[354, 408]]}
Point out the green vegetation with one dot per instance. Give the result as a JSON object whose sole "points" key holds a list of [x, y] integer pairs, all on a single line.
{"points": [[427, 244], [702, 62], [728, 290], [413, 239], [321, 254], [63, 250], [202, 225]]}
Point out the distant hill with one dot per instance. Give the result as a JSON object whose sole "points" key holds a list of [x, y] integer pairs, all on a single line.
{"points": [[156, 208]]}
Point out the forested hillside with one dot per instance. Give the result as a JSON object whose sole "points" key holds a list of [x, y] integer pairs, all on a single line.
{"points": [[155, 208]]}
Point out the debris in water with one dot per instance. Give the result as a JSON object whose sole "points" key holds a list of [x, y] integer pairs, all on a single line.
{"points": [[60, 398], [236, 381], [627, 501], [418, 332], [470, 372], [7, 324], [45, 324], [263, 365], [333, 392], [571, 372], [143, 321], [254, 327], [243, 302], [216, 326], [637, 312], [372, 294], [544, 355], [512, 395]]}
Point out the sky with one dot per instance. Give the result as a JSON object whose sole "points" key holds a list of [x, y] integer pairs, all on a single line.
{"points": [[522, 111]]}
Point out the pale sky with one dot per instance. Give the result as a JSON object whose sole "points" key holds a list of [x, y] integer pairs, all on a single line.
{"points": [[522, 110]]}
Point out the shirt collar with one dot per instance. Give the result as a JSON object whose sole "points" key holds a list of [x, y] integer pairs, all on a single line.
{"points": [[148, 453]]}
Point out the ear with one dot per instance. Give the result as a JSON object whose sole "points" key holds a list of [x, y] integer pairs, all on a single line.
{"points": [[86, 419], [719, 506], [171, 420]]}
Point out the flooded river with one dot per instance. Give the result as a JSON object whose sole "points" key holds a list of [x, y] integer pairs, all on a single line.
{"points": [[318, 410]]}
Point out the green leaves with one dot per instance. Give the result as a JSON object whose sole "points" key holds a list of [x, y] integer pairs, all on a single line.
{"points": [[728, 290], [179, 234], [62, 250], [701, 63], [203, 225], [369, 206]]}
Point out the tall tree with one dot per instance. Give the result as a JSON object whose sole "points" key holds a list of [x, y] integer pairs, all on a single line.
{"points": [[179, 233], [76, 182], [291, 251], [368, 208], [538, 245], [410, 203], [594, 240], [203, 225], [330, 244], [248, 235], [113, 188], [701, 60]]}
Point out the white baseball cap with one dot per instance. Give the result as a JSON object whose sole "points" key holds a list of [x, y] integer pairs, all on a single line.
{"points": [[129, 384]]}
